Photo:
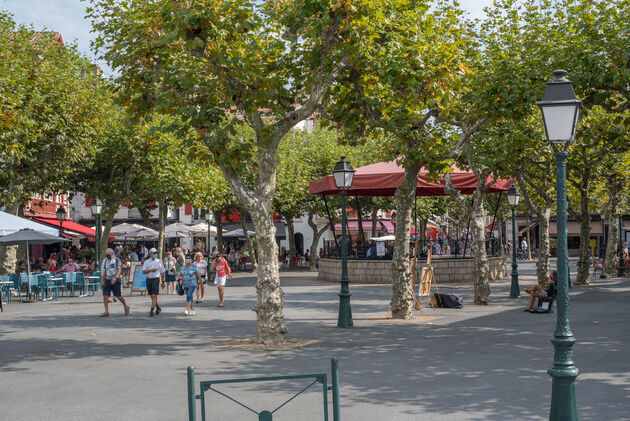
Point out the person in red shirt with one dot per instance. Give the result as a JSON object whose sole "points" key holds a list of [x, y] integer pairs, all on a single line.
{"points": [[223, 271]]}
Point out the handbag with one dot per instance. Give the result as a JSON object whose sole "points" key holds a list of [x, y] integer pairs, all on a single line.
{"points": [[180, 288]]}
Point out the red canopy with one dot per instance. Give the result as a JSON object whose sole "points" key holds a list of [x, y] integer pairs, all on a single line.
{"points": [[382, 179], [70, 227]]}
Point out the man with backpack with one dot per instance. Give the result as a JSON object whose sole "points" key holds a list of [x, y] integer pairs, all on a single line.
{"points": [[111, 268], [154, 270]]}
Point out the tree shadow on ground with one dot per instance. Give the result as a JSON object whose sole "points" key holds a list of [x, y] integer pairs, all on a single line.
{"points": [[487, 366]]}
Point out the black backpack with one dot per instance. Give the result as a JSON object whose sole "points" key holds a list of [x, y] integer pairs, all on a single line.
{"points": [[448, 300]]}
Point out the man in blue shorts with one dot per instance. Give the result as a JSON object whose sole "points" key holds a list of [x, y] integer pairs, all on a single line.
{"points": [[111, 269], [154, 270]]}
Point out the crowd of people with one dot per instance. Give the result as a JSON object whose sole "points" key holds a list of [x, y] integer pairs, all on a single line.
{"points": [[179, 272], [72, 262], [300, 260]]}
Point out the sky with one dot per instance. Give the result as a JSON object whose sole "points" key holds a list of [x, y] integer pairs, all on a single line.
{"points": [[67, 18]]}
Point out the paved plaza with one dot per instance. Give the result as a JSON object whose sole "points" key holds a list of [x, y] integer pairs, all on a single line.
{"points": [[479, 363]]}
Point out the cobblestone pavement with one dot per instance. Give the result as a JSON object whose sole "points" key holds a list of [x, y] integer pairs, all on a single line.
{"points": [[60, 361]]}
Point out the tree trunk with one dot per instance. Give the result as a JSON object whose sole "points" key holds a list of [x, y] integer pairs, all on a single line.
{"points": [[402, 286], [162, 215], [291, 235], [482, 272], [500, 230], [542, 212], [104, 240], [317, 233], [218, 219], [250, 244], [374, 222], [9, 254], [8, 259], [584, 263], [610, 268], [270, 328], [528, 236], [542, 263]]}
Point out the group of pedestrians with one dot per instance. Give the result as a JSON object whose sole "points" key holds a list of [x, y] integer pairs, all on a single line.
{"points": [[178, 271]]}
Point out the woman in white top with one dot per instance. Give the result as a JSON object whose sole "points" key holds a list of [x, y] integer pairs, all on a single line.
{"points": [[201, 266]]}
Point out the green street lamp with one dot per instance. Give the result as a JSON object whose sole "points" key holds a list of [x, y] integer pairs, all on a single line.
{"points": [[560, 110], [61, 216], [343, 175], [97, 207], [513, 197]]}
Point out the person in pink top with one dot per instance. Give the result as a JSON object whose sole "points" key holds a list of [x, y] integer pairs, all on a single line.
{"points": [[71, 266], [222, 268]]}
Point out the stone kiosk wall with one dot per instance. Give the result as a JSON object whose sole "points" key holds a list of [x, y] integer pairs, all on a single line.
{"points": [[446, 269]]}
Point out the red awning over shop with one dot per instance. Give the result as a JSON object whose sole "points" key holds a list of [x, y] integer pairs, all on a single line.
{"points": [[70, 227], [383, 178]]}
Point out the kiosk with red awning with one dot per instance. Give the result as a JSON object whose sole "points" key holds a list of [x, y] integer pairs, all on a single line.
{"points": [[383, 178]]}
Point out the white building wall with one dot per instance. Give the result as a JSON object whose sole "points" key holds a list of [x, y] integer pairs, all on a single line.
{"points": [[79, 210], [301, 226]]}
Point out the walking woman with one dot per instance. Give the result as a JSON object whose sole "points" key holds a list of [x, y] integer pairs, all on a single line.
{"points": [[222, 268], [190, 279], [201, 266], [169, 265]]}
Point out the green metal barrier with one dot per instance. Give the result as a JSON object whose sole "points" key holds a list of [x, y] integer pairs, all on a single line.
{"points": [[265, 415]]}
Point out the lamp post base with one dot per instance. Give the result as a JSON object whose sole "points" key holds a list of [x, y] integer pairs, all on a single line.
{"points": [[563, 375], [514, 288], [345, 311]]}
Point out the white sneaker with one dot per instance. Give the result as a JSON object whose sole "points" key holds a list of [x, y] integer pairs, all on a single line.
{"points": [[186, 312], [192, 312]]}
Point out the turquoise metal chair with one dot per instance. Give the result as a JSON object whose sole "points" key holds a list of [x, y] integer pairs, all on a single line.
{"points": [[44, 285], [70, 279], [24, 278], [52, 284], [95, 282], [80, 283], [8, 287], [60, 285], [30, 281], [16, 285]]}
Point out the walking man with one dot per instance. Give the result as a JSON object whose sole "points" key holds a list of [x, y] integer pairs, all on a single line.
{"points": [[154, 269], [111, 269]]}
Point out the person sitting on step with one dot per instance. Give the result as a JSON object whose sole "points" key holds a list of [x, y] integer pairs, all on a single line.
{"points": [[537, 291]]}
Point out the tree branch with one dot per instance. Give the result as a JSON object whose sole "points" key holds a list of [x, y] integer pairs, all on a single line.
{"points": [[466, 134], [238, 186], [538, 189], [316, 96], [145, 215], [525, 191], [456, 194]]}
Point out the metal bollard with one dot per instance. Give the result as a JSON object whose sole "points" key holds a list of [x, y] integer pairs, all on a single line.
{"points": [[192, 410], [334, 369]]}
